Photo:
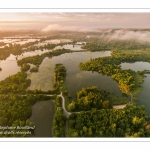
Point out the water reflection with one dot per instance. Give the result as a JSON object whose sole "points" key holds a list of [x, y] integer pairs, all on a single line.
{"points": [[42, 116], [144, 95], [9, 67], [137, 66], [76, 79]]}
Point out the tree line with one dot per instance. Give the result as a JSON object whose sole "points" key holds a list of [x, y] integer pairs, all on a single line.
{"points": [[15, 83], [95, 44]]}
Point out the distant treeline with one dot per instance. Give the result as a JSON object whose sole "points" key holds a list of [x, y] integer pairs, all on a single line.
{"points": [[103, 45]]}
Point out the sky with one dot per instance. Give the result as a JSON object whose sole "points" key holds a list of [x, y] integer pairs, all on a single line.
{"points": [[48, 21]]}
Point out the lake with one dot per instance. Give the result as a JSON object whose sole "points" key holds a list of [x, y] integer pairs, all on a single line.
{"points": [[76, 79]]}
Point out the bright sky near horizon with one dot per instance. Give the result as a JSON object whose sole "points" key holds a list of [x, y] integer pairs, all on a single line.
{"points": [[74, 21]]}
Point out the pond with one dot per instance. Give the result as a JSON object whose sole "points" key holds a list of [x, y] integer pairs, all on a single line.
{"points": [[42, 116]]}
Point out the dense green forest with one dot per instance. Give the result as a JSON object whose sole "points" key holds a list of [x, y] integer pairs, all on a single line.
{"points": [[59, 120], [25, 67], [16, 110], [34, 69], [17, 83], [127, 122], [59, 73], [132, 55], [89, 98]]}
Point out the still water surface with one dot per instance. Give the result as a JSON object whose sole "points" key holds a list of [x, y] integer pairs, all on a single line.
{"points": [[42, 116], [144, 95], [137, 66], [76, 79], [9, 67]]}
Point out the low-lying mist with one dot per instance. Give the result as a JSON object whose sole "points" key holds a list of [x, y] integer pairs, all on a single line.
{"points": [[109, 34], [125, 34]]}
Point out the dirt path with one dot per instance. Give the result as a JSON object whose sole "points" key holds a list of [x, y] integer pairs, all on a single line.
{"points": [[63, 106], [119, 106]]}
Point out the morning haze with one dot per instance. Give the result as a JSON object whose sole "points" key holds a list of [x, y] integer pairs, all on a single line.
{"points": [[72, 21], [74, 74]]}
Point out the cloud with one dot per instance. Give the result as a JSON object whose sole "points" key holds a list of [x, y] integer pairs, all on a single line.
{"points": [[51, 27]]}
